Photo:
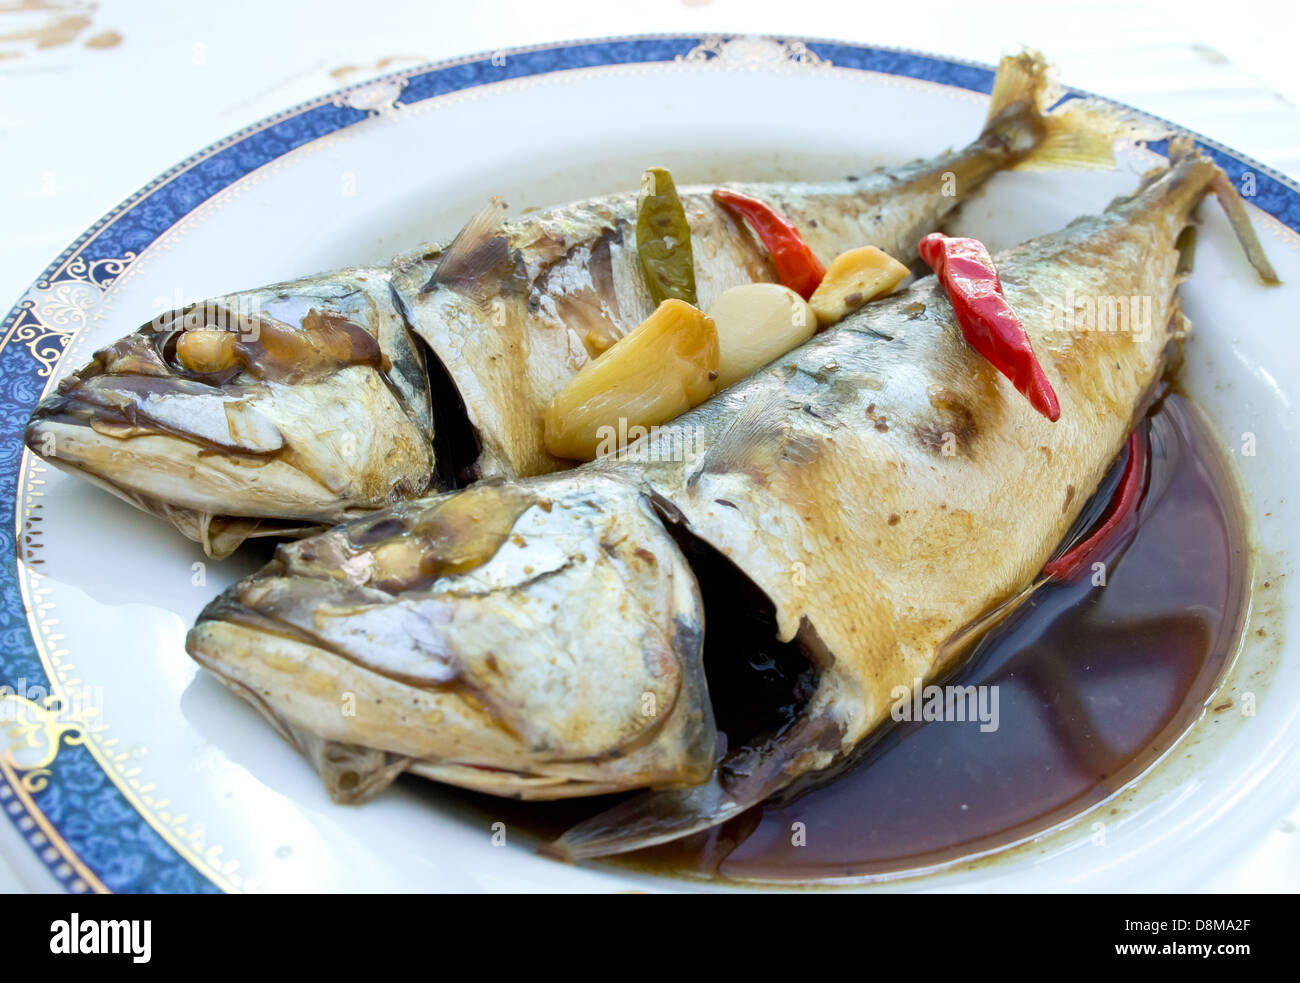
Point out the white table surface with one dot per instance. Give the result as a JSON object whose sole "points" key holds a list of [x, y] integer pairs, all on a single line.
{"points": [[96, 99]]}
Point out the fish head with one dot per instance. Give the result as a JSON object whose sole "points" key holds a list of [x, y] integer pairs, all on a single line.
{"points": [[293, 405], [540, 639]]}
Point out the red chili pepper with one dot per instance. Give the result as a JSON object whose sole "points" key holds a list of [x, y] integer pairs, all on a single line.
{"points": [[796, 266], [1123, 508], [987, 321]]}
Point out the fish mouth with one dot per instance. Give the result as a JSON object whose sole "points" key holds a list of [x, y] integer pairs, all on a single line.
{"points": [[127, 433], [372, 766], [272, 411], [123, 406], [481, 766], [165, 474]]}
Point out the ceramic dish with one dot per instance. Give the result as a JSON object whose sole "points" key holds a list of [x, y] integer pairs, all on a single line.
{"points": [[143, 774]]}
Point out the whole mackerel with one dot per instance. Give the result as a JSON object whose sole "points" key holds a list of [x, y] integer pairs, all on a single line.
{"points": [[883, 486], [509, 311]]}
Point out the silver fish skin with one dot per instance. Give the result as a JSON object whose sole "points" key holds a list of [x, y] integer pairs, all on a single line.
{"points": [[513, 310], [538, 640], [510, 312], [887, 489], [826, 479], [328, 416]]}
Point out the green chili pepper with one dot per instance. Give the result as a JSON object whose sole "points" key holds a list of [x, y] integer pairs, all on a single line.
{"points": [[663, 239]]}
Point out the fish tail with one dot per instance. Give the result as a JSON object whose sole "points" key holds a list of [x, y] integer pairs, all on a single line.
{"points": [[1179, 187], [1078, 134], [1230, 201]]}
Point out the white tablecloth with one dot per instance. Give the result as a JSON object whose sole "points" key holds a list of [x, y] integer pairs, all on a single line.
{"points": [[97, 99]]}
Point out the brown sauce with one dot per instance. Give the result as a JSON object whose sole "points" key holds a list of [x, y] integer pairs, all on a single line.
{"points": [[1093, 685]]}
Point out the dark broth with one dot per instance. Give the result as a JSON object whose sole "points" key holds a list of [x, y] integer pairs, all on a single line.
{"points": [[1093, 684]]}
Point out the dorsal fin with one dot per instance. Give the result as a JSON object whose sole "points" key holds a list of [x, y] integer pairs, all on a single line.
{"points": [[478, 249]]}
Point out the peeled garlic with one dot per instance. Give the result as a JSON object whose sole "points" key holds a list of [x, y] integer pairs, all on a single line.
{"points": [[668, 364], [852, 279], [756, 323]]}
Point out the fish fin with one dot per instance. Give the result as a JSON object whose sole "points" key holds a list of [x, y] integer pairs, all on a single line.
{"points": [[743, 778], [1022, 78], [352, 774], [1198, 174], [1181, 185], [757, 441], [1079, 134], [1180, 326], [221, 535], [1186, 246], [1235, 210], [646, 820], [964, 639], [478, 249], [1181, 147]]}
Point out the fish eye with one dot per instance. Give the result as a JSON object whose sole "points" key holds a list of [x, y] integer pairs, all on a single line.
{"points": [[206, 351], [191, 344]]}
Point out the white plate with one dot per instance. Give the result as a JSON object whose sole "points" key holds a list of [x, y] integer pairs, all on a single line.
{"points": [[149, 776]]}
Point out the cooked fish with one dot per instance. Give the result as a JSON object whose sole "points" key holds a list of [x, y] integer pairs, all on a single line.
{"points": [[250, 445], [543, 638], [513, 310], [882, 486], [270, 412]]}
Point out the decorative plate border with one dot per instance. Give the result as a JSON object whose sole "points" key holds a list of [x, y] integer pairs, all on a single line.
{"points": [[70, 803]]}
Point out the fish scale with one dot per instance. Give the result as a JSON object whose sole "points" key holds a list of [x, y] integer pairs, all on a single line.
{"points": [[822, 483]]}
